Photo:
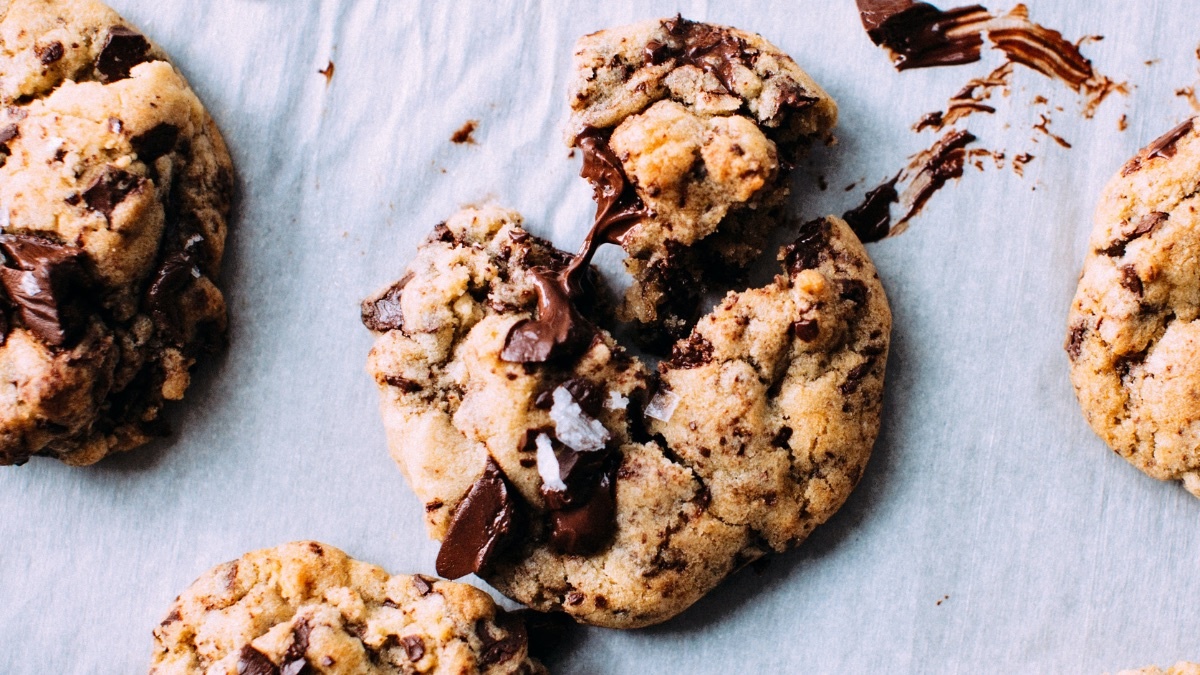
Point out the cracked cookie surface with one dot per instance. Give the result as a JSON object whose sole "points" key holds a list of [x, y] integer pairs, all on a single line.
{"points": [[1134, 330], [706, 122], [115, 191], [307, 607], [750, 435]]}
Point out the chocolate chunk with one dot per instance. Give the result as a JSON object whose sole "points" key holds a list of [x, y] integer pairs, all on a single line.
{"points": [[1139, 228], [559, 331], [806, 330], [581, 473], [1075, 341], [176, 273], [50, 53], [589, 395], [500, 649], [294, 660], [808, 250], [49, 285], [466, 133], [123, 49], [383, 313], [1130, 280], [110, 189], [424, 586], [919, 35], [872, 220], [253, 662], [9, 133], [1164, 147], [781, 439], [855, 377], [695, 352], [855, 291], [586, 529], [414, 646], [157, 142], [481, 526], [710, 48]]}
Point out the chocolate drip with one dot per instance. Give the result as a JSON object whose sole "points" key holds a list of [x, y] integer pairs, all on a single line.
{"points": [[48, 284], [123, 49], [481, 526], [560, 331], [383, 312]]}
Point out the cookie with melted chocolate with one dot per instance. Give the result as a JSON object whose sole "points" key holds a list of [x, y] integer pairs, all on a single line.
{"points": [[115, 192], [573, 476], [1134, 329], [307, 607], [698, 126]]}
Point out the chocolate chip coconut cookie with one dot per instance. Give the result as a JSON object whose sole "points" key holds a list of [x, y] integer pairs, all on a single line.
{"points": [[307, 608], [114, 193], [703, 124], [1134, 331], [572, 476]]}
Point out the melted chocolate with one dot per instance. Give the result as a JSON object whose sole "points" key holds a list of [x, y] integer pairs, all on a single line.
{"points": [[157, 142], [51, 53], [919, 35], [558, 332], [618, 207], [807, 251], [1163, 147], [176, 273], [707, 47], [586, 529], [933, 168], [501, 649], [110, 189], [383, 312], [48, 284], [123, 49], [481, 526], [872, 220]]}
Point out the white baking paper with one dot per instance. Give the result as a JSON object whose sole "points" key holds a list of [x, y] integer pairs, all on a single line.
{"points": [[992, 532]]}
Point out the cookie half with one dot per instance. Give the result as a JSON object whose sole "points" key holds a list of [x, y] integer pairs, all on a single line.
{"points": [[589, 482], [307, 607], [114, 198], [704, 123], [1134, 329]]}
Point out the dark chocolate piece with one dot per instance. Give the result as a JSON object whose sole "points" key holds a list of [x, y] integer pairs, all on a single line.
{"points": [[49, 53], [1163, 146], [618, 207], [253, 662], [498, 650], [48, 283], [710, 48], [424, 586], [589, 395], [808, 250], [123, 49], [695, 352], [383, 313], [586, 529], [480, 527], [558, 332], [110, 189], [872, 220], [806, 330], [155, 143], [414, 647], [176, 273]]}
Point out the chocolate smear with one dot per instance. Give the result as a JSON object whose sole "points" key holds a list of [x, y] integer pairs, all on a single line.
{"points": [[809, 248], [480, 527], [466, 133], [253, 662], [558, 332], [383, 313], [872, 220], [123, 49], [710, 48], [48, 284], [327, 71], [110, 189]]}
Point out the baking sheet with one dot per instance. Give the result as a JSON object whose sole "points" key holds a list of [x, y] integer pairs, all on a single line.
{"points": [[992, 532]]}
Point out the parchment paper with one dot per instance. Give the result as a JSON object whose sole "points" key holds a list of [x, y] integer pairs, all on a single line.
{"points": [[992, 533]]}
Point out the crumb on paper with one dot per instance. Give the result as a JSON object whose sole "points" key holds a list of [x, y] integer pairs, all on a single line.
{"points": [[327, 72], [466, 133], [944, 598]]}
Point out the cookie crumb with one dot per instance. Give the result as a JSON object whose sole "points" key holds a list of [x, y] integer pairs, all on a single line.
{"points": [[944, 598], [466, 133], [1123, 123], [327, 71]]}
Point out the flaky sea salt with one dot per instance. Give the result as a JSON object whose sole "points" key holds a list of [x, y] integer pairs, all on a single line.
{"points": [[662, 407], [616, 401], [547, 463], [573, 427]]}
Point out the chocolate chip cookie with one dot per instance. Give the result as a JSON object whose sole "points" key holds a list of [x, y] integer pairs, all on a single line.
{"points": [[574, 477], [1134, 330], [114, 194], [696, 127], [306, 607]]}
